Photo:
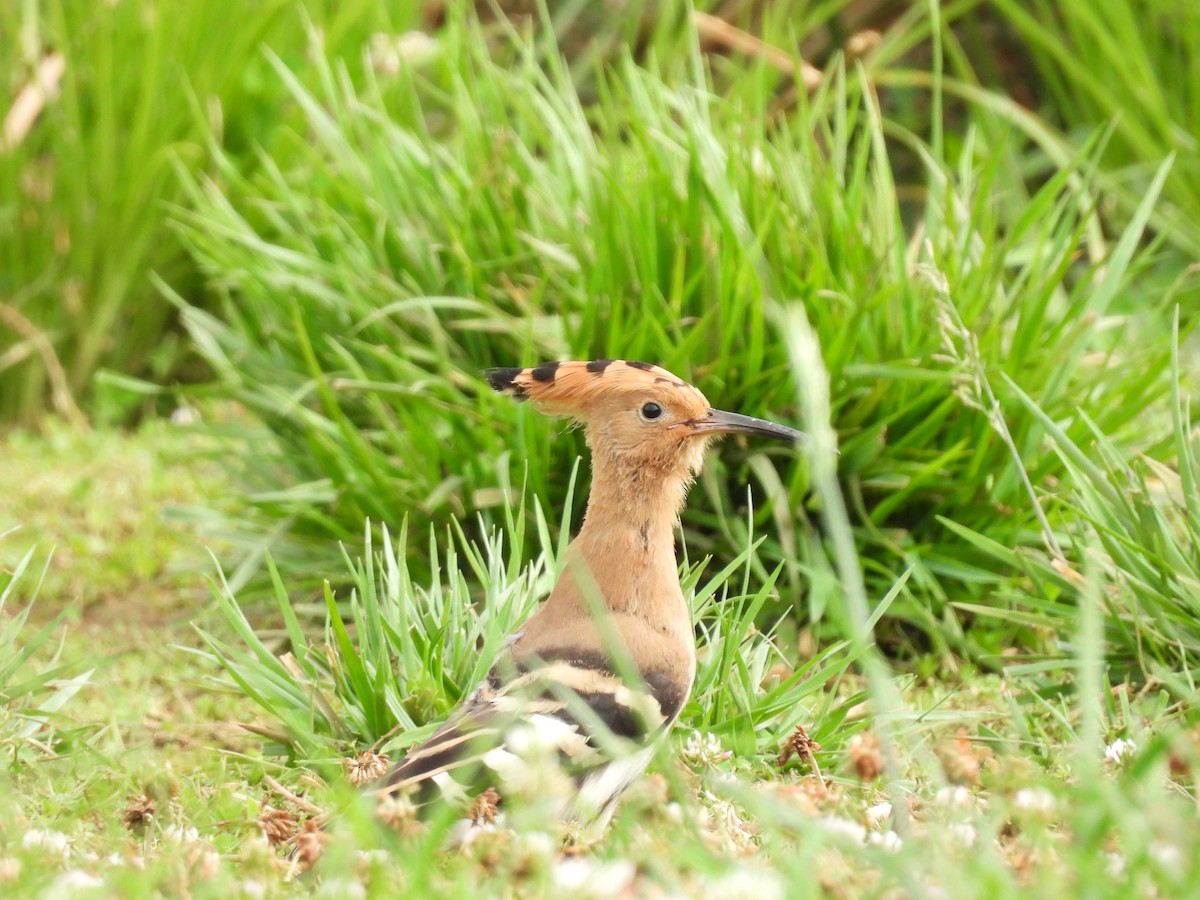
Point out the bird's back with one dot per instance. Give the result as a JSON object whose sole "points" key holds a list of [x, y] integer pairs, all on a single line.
{"points": [[573, 711]]}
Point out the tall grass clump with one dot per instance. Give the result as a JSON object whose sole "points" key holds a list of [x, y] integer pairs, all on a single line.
{"points": [[31, 695], [471, 210], [1133, 64], [1130, 518], [104, 97]]}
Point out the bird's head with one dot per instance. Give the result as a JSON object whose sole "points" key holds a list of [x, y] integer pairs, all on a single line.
{"points": [[636, 414]]}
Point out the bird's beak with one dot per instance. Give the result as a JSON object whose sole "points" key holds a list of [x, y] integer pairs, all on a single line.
{"points": [[720, 422]]}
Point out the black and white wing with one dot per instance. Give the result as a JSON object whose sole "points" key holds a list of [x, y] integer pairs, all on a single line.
{"points": [[570, 710]]}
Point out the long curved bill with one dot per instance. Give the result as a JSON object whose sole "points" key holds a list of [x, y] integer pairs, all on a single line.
{"points": [[720, 422]]}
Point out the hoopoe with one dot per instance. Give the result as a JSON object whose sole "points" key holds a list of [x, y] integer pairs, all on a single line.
{"points": [[605, 665]]}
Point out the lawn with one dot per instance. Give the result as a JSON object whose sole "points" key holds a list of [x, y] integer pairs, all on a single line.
{"points": [[265, 524]]}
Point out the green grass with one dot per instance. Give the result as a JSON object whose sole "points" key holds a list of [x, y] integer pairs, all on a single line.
{"points": [[132, 93], [1130, 519], [1004, 777], [473, 210], [105, 508], [32, 688], [975, 282], [84, 192], [1148, 97]]}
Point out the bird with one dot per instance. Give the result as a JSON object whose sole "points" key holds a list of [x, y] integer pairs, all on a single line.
{"points": [[601, 670]]}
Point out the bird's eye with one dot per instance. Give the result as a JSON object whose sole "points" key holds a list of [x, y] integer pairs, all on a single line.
{"points": [[651, 411]]}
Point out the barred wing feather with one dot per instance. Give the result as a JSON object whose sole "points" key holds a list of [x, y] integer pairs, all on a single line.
{"points": [[576, 714]]}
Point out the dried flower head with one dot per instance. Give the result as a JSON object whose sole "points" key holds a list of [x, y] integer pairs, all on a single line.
{"points": [[810, 794], [866, 756], [138, 812], [310, 844], [368, 766], [398, 812], [961, 761], [798, 743], [485, 807], [277, 825]]}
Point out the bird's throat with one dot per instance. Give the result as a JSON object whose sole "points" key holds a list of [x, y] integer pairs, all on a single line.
{"points": [[627, 542], [620, 580]]}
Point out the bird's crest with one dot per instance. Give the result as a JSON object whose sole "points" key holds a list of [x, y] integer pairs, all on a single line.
{"points": [[572, 388]]}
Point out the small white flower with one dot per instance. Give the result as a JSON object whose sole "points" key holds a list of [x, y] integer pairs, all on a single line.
{"points": [[1166, 855], [723, 817], [54, 842], [350, 888], [964, 833], [415, 45], [1114, 864], [540, 736], [955, 797], [759, 165], [465, 832], [1036, 799], [581, 875], [537, 843], [704, 749], [387, 50], [10, 869], [179, 834], [209, 865], [251, 888], [73, 881], [888, 840], [1119, 750], [747, 883], [503, 763], [843, 827], [878, 812]]}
